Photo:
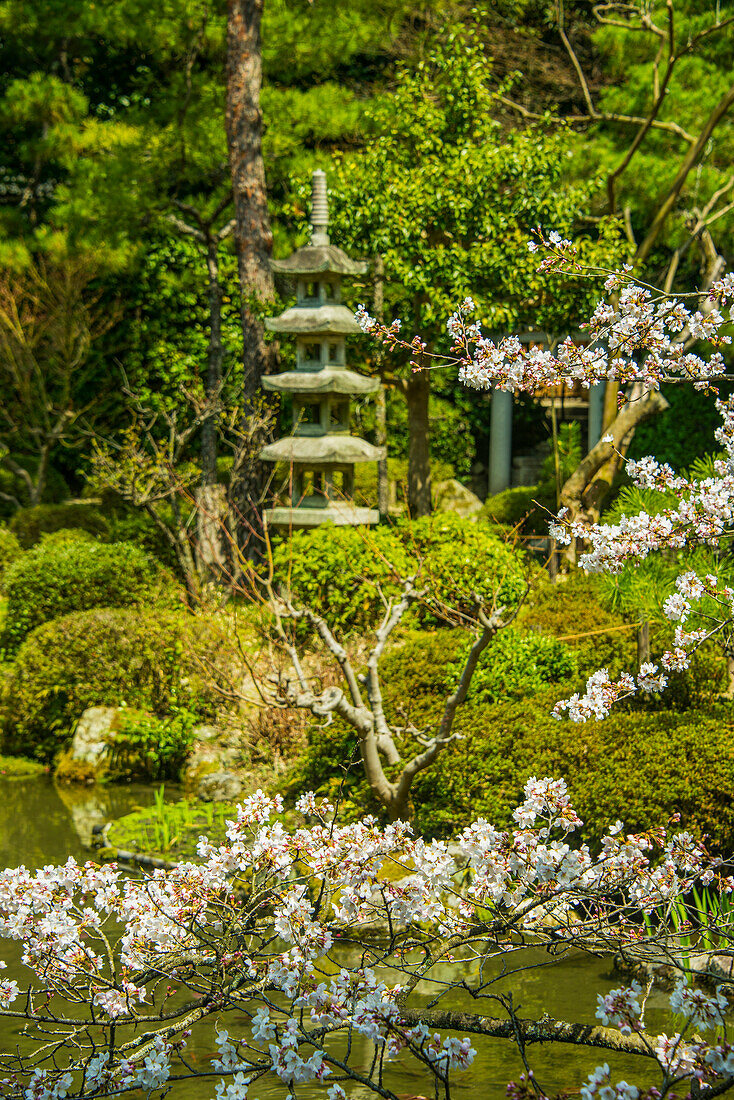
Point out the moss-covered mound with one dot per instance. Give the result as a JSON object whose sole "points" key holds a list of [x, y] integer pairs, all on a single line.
{"points": [[148, 659], [60, 576]]}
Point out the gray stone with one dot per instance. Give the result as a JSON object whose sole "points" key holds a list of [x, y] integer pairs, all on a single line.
{"points": [[219, 787], [205, 733], [452, 496], [93, 734]]}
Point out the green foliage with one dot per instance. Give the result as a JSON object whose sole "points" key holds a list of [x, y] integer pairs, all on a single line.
{"points": [[172, 829], [14, 487], [517, 666], [17, 767], [342, 573], [460, 561], [574, 611], [339, 572], [636, 767], [10, 551], [683, 432], [425, 667], [146, 747], [28, 524], [128, 525], [150, 660], [55, 578], [531, 506]]}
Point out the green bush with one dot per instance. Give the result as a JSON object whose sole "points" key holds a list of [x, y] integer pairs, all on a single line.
{"points": [[423, 668], [10, 551], [139, 528], [635, 767], [528, 505], [146, 747], [56, 578], [340, 572], [574, 611], [28, 524], [459, 561], [516, 666], [150, 660]]}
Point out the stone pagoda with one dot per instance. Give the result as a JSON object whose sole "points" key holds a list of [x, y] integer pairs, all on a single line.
{"points": [[320, 449]]}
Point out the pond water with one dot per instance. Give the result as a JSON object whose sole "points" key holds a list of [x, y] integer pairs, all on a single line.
{"points": [[41, 823]]}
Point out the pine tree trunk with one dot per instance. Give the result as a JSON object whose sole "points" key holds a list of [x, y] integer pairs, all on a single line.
{"points": [[419, 448], [210, 506], [253, 239]]}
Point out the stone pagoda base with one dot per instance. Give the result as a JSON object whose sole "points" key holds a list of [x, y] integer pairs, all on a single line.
{"points": [[341, 514]]}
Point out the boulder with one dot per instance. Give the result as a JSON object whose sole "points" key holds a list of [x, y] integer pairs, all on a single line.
{"points": [[93, 733], [452, 496], [219, 787]]}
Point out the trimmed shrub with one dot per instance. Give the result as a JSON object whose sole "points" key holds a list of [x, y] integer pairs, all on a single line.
{"points": [[573, 611], [425, 667], [28, 524], [139, 528], [10, 551], [150, 660], [635, 767], [56, 578], [340, 572], [527, 504], [460, 560]]}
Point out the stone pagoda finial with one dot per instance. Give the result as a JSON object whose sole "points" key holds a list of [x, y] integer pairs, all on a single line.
{"points": [[319, 209]]}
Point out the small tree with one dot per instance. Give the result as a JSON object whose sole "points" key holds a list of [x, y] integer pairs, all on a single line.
{"points": [[50, 318]]}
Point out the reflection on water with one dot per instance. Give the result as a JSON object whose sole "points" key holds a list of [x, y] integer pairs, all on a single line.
{"points": [[41, 824]]}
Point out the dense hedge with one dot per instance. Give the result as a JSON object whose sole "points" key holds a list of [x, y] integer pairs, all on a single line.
{"points": [[28, 524], [340, 572], [637, 767], [147, 659], [10, 551], [425, 666], [572, 610], [641, 764], [65, 574]]}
